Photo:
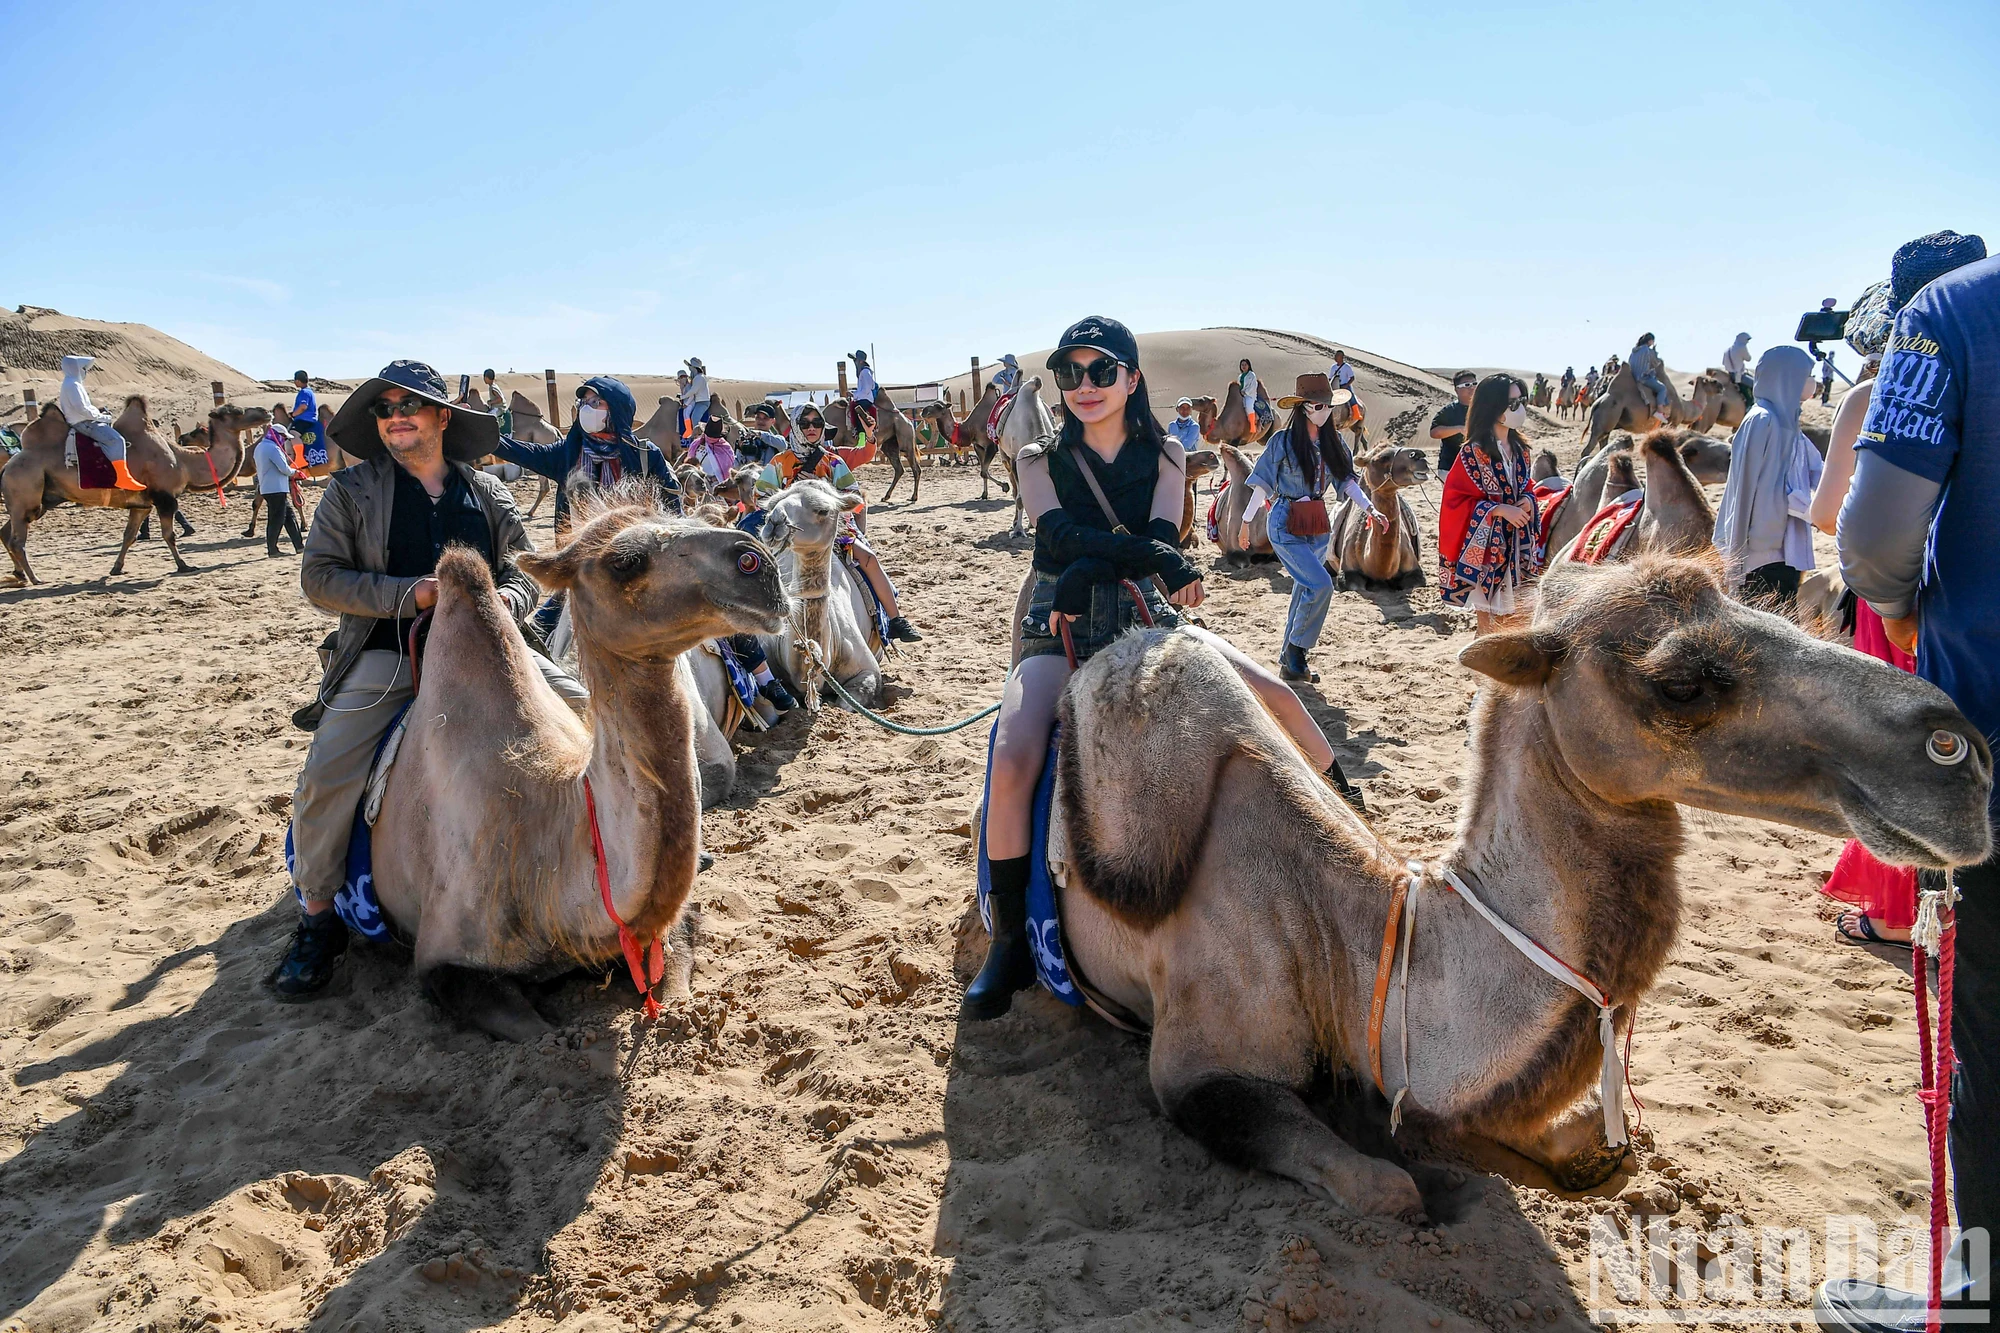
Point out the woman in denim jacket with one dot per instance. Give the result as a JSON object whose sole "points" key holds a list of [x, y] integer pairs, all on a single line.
{"points": [[1302, 462]]}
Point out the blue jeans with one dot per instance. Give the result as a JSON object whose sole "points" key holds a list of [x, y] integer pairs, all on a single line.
{"points": [[1656, 388], [1304, 558], [107, 439]]}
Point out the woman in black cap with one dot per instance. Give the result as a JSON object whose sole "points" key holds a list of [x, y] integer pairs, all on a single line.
{"points": [[1082, 553]]}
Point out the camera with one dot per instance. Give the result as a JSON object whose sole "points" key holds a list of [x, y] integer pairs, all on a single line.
{"points": [[1821, 326]]}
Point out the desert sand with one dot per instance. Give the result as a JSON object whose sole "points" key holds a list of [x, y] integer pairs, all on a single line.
{"points": [[813, 1141]]}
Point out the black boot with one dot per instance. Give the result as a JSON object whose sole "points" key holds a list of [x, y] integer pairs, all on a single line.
{"points": [[308, 965], [1348, 791], [1010, 963], [780, 697], [1292, 665], [899, 628], [702, 861]]}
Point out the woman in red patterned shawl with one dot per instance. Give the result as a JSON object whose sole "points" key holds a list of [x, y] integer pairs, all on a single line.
{"points": [[1489, 535]]}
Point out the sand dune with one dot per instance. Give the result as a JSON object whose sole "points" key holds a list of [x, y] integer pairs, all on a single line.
{"points": [[813, 1141]]}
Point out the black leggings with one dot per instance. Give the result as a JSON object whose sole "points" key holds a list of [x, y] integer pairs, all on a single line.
{"points": [[279, 507]]}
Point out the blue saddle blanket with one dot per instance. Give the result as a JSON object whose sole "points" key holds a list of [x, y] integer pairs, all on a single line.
{"points": [[740, 679], [355, 902], [1044, 922]]}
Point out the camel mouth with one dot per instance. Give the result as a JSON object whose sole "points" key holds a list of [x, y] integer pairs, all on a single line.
{"points": [[1965, 843]]}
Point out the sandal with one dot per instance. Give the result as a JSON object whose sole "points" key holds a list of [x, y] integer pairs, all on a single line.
{"points": [[1863, 931]]}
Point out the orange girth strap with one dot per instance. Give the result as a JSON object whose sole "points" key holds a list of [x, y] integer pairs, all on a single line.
{"points": [[1384, 964], [648, 964]]}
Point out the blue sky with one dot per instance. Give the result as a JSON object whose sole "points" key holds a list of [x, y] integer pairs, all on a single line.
{"points": [[617, 186]]}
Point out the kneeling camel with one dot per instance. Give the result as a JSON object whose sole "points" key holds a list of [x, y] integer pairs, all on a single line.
{"points": [[484, 847], [1245, 927]]}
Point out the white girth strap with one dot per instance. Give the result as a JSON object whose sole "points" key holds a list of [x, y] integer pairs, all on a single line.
{"points": [[1611, 1078]]}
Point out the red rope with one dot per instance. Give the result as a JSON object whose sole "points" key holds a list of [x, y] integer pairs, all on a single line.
{"points": [[216, 478], [647, 964], [1935, 1093], [416, 649]]}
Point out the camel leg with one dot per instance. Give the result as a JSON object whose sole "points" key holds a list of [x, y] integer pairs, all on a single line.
{"points": [[896, 462], [485, 1000], [540, 496], [1572, 1146], [916, 475], [134, 520], [255, 503], [1251, 1122], [170, 509], [14, 533]]}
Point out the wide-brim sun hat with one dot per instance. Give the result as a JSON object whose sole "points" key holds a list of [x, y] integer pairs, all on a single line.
{"points": [[470, 435], [1312, 388]]}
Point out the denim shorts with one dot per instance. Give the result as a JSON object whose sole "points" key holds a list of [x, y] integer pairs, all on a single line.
{"points": [[1111, 614]]}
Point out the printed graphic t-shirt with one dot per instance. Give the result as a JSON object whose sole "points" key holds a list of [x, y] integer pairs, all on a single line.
{"points": [[1936, 412]]}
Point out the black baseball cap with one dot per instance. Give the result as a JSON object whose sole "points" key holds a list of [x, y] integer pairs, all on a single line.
{"points": [[761, 410], [1105, 335]]}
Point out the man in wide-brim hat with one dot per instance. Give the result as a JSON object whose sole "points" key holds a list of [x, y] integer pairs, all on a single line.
{"points": [[370, 559]]}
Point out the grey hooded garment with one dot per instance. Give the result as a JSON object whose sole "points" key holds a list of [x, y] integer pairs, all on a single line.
{"points": [[1751, 522]]}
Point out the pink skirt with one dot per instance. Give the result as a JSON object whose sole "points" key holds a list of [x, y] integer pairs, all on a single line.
{"points": [[1886, 893]]}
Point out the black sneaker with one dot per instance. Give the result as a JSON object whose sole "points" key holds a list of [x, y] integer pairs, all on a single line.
{"points": [[1292, 666], [780, 697], [900, 629], [317, 948]]}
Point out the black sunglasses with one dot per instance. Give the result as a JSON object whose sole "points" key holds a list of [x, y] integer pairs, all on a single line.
{"points": [[811, 423], [402, 407], [1102, 372]]}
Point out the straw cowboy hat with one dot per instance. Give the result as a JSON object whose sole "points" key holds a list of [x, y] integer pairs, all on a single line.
{"points": [[1313, 388]]}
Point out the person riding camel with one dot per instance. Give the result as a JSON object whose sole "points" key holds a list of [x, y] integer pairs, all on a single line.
{"points": [[1647, 368], [711, 452], [599, 448], [305, 421], [1340, 373], [1008, 378], [1568, 382], [496, 403], [1736, 365], [808, 455], [370, 558], [1255, 401], [695, 399], [865, 391], [762, 441], [1107, 492], [85, 419]]}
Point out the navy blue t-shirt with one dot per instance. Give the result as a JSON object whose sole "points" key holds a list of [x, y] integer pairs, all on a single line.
{"points": [[1935, 412]]}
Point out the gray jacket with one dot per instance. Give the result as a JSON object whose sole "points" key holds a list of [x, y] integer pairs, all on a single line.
{"points": [[348, 549]]}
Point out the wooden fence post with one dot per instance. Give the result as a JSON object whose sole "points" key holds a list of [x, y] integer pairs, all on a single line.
{"points": [[555, 404], [215, 387], [34, 409], [840, 370], [961, 402], [975, 379], [739, 409]]}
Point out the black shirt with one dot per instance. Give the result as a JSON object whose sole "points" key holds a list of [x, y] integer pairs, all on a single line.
{"points": [[419, 530], [1451, 414], [1128, 482]]}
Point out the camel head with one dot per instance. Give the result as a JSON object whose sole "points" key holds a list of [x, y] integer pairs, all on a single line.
{"points": [[1654, 686], [1202, 462], [1206, 412], [1707, 458], [1546, 465], [805, 518], [1236, 465], [740, 486], [1621, 474], [1387, 467], [646, 584]]}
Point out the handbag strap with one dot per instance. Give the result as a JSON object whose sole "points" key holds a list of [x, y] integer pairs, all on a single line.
{"points": [[1090, 480]]}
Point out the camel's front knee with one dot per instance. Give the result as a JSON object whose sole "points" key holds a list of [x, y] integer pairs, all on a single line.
{"points": [[1572, 1147]]}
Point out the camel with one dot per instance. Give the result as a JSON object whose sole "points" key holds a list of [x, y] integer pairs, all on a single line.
{"points": [[663, 428], [1199, 464], [1026, 420], [1231, 423], [1547, 466], [1229, 507], [896, 435], [971, 434], [1707, 458], [1245, 926], [1675, 514], [1381, 558], [37, 479], [830, 608], [1624, 405], [483, 851], [1715, 401]]}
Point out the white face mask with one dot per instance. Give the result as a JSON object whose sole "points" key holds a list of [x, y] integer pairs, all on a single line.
{"points": [[593, 419], [1517, 417]]}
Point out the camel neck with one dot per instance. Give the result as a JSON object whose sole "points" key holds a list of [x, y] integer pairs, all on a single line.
{"points": [[1593, 880]]}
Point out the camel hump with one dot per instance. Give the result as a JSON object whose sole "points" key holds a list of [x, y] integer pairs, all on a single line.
{"points": [[1150, 724], [461, 569]]}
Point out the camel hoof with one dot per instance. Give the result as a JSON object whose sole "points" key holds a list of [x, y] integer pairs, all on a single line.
{"points": [[1589, 1168], [494, 1004]]}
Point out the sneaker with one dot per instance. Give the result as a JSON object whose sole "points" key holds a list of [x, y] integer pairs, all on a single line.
{"points": [[317, 948], [780, 698], [900, 629], [702, 861], [1292, 666]]}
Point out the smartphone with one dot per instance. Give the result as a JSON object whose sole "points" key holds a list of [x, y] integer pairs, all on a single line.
{"points": [[1821, 326]]}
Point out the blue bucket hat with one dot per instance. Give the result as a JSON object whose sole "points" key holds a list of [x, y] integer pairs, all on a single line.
{"points": [[1920, 262], [469, 437]]}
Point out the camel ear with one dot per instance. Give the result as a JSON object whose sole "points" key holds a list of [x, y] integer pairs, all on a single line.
{"points": [[851, 501], [1512, 657], [554, 570]]}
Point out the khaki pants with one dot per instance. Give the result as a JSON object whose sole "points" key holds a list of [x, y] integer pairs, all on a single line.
{"points": [[335, 775]]}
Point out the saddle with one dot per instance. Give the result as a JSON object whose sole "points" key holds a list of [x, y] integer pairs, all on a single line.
{"points": [[1605, 532], [743, 696], [93, 470], [1550, 497], [999, 410]]}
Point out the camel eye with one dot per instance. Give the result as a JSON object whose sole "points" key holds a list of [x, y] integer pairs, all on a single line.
{"points": [[626, 563], [750, 562], [1681, 691]]}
